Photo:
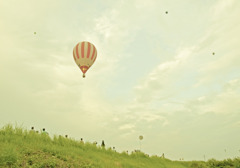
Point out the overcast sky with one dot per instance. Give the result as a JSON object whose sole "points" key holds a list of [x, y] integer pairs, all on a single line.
{"points": [[155, 74]]}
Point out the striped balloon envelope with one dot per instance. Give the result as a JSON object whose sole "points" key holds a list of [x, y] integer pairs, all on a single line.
{"points": [[84, 54]]}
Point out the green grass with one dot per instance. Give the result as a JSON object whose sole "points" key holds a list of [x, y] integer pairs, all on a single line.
{"points": [[23, 148]]}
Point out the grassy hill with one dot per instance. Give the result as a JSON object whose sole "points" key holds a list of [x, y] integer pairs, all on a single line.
{"points": [[23, 148]]}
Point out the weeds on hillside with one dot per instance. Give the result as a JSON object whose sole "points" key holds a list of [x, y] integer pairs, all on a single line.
{"points": [[22, 148]]}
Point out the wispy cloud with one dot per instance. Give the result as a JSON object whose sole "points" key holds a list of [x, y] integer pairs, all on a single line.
{"points": [[224, 101], [162, 83], [127, 126], [223, 34]]}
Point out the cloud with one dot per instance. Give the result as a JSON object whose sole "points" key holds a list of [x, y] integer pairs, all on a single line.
{"points": [[195, 65], [222, 7], [161, 82], [127, 127], [224, 101], [153, 118], [222, 38]]}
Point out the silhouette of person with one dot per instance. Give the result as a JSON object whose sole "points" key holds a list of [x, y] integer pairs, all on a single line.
{"points": [[44, 131], [95, 143], [32, 129], [103, 144]]}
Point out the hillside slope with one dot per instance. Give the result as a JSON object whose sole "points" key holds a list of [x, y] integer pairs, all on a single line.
{"points": [[23, 148]]}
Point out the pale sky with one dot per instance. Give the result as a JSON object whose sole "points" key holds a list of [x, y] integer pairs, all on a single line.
{"points": [[155, 74]]}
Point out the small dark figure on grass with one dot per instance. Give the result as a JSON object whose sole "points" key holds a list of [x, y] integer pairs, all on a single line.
{"points": [[103, 144], [44, 131], [32, 129], [81, 141]]}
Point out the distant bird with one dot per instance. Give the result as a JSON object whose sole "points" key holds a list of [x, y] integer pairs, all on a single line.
{"points": [[166, 12], [213, 53], [66, 136], [35, 33]]}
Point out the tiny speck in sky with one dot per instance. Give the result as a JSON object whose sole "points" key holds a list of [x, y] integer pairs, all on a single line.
{"points": [[166, 12], [213, 53], [35, 33]]}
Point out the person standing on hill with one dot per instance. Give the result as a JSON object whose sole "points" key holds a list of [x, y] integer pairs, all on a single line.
{"points": [[103, 144], [44, 131], [32, 129]]}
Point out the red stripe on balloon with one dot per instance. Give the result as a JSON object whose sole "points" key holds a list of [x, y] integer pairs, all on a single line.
{"points": [[82, 49], [94, 59], [77, 51], [74, 55], [93, 52], [88, 52]]}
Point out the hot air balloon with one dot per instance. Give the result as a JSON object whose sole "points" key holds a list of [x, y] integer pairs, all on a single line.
{"points": [[84, 54]]}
